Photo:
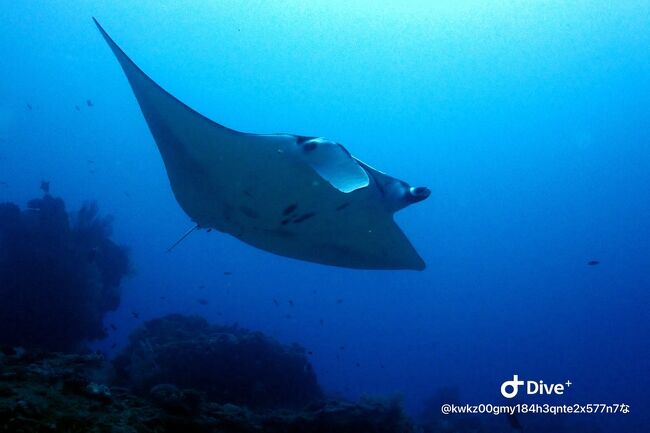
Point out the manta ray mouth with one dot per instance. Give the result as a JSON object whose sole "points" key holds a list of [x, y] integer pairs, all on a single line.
{"points": [[419, 193]]}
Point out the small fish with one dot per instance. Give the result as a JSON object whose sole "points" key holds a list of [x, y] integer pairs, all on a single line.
{"points": [[202, 301], [45, 186], [90, 161], [113, 327], [322, 322], [309, 352], [135, 315], [29, 107], [339, 301], [342, 347], [593, 262], [76, 107], [113, 346], [201, 286], [126, 193], [287, 316], [358, 364], [3, 183], [89, 102], [290, 302], [227, 273], [163, 297], [275, 301]]}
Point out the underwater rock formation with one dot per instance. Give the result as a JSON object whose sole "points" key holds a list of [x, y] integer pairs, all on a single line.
{"points": [[228, 363], [45, 392], [59, 274]]}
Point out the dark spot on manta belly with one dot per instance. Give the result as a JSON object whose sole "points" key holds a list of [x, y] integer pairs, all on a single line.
{"points": [[251, 213], [304, 217], [289, 209], [308, 147], [285, 221], [342, 206]]}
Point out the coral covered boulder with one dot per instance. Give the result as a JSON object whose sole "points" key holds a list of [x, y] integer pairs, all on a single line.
{"points": [[59, 274], [228, 363]]}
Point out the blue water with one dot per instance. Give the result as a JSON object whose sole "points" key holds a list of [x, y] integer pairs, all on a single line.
{"points": [[528, 121]]}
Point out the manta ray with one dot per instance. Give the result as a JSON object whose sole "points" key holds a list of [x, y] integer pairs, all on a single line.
{"points": [[296, 196]]}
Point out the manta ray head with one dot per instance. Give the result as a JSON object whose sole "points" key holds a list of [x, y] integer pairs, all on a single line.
{"points": [[400, 194]]}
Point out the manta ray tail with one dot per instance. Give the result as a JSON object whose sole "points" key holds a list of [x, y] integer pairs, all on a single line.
{"points": [[182, 238]]}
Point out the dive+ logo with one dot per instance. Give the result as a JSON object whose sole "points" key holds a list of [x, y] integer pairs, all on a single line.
{"points": [[510, 388]]}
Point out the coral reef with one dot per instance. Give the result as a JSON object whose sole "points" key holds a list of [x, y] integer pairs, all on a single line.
{"points": [[59, 274], [45, 392], [229, 364]]}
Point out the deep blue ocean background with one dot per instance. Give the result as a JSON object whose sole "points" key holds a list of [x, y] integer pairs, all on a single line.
{"points": [[528, 121]]}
